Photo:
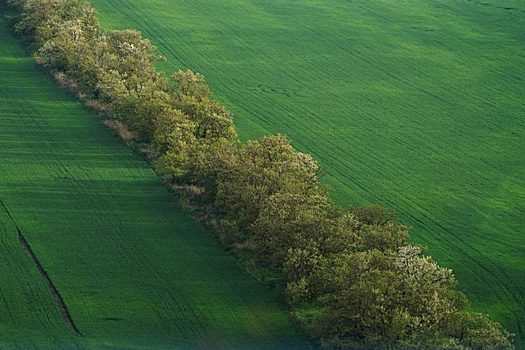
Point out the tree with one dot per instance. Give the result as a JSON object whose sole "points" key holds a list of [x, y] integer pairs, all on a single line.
{"points": [[386, 299], [140, 108], [291, 221], [174, 140], [192, 96], [72, 49], [373, 214], [35, 13], [134, 56], [188, 83], [266, 166], [390, 235], [213, 162], [477, 332], [399, 300]]}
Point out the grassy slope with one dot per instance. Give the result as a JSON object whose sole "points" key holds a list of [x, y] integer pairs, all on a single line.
{"points": [[133, 268], [415, 104]]}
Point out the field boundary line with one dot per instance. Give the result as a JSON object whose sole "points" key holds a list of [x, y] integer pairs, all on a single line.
{"points": [[59, 300]]}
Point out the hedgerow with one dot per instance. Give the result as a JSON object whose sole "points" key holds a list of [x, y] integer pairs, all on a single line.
{"points": [[351, 276]]}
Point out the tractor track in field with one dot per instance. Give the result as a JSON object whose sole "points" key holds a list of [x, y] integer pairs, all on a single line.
{"points": [[62, 307]]}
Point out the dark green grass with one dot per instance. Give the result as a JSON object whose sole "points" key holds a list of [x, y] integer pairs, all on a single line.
{"points": [[27, 307], [133, 268], [418, 105]]}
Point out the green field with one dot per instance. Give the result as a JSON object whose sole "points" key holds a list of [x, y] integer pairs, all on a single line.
{"points": [[417, 104], [134, 270]]}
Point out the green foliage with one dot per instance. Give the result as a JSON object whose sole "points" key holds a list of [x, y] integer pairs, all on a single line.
{"points": [[211, 162], [188, 83], [134, 54], [174, 139], [476, 331], [173, 131], [141, 107], [296, 223], [393, 299], [382, 237], [373, 214], [371, 289], [264, 167], [193, 97]]}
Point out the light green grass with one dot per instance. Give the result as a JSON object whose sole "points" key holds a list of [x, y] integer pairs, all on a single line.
{"points": [[416, 104], [135, 270]]}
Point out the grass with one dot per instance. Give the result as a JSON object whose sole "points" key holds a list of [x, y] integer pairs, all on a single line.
{"points": [[418, 105], [27, 308], [134, 269]]}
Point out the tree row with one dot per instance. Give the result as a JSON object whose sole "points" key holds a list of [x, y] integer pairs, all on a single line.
{"points": [[352, 278]]}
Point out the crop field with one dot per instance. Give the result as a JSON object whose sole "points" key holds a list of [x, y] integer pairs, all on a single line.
{"points": [[418, 105], [132, 269], [27, 308]]}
